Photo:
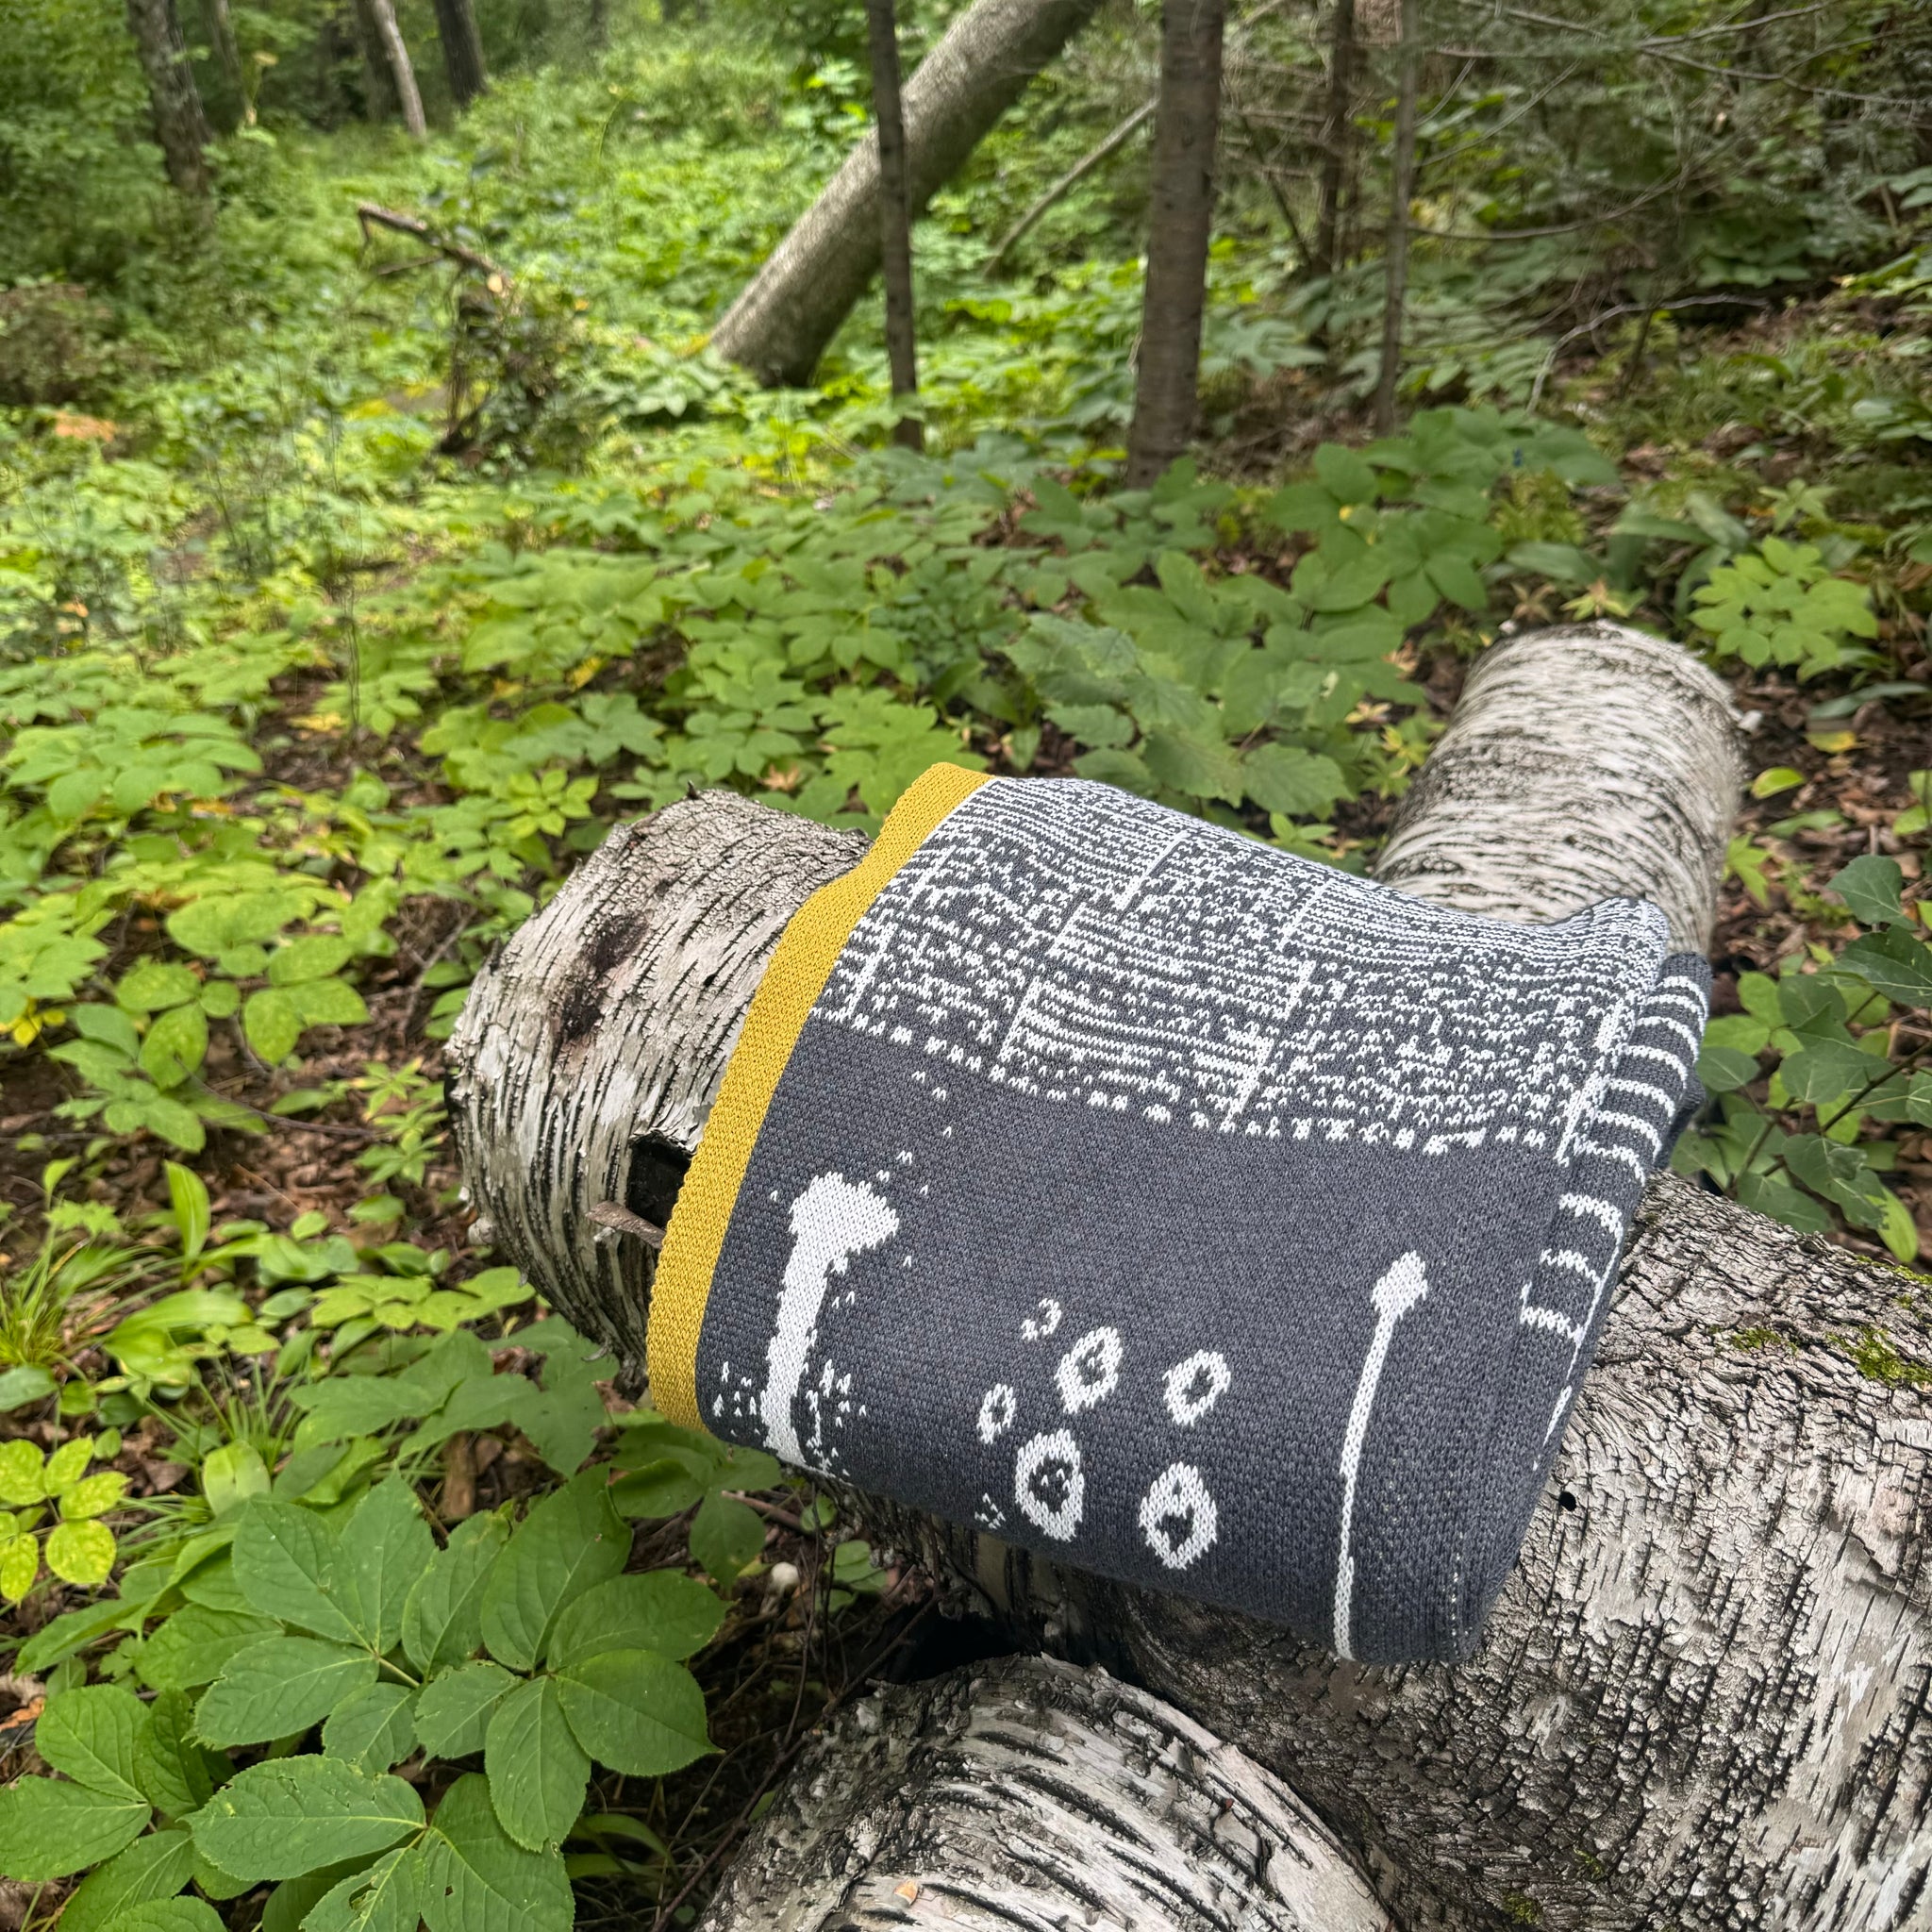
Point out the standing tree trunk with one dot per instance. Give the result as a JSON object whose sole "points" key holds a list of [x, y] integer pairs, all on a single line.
{"points": [[599, 20], [791, 310], [1186, 126], [180, 127], [380, 100], [896, 215], [1702, 1701], [1338, 134], [401, 71], [1401, 192], [462, 50], [221, 30]]}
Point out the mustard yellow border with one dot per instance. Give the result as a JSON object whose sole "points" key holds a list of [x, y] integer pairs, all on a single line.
{"points": [[806, 955]]}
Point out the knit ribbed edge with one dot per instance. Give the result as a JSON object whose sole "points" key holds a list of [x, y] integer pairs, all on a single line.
{"points": [[801, 964]]}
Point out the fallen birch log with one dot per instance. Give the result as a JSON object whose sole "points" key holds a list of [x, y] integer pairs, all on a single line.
{"points": [[1702, 1701]]}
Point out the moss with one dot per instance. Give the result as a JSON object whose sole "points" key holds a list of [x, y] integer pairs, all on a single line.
{"points": [[1875, 1359], [1523, 1908], [1762, 1337]]}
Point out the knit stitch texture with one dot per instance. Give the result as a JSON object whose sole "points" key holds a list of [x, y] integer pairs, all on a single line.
{"points": [[1193, 1214]]}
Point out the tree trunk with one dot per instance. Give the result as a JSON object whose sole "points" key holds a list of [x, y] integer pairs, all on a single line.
{"points": [[180, 127], [902, 1814], [1401, 192], [1700, 1703], [401, 71], [781, 322], [1337, 135], [380, 99], [895, 217], [462, 50], [221, 30], [1186, 126]]}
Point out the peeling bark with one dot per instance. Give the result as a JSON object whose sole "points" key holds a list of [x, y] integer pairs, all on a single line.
{"points": [[1702, 1701], [1029, 1793]]}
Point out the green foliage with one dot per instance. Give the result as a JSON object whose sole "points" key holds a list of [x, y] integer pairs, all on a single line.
{"points": [[1781, 604], [356, 1623], [1807, 1153], [77, 1548]]}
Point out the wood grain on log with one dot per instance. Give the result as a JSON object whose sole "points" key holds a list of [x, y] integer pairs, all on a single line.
{"points": [[1702, 1701]]}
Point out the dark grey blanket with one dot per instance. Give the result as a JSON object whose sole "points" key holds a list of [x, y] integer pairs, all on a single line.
{"points": [[1187, 1211]]}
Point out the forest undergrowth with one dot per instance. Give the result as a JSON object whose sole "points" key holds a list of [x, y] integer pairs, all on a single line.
{"points": [[354, 582]]}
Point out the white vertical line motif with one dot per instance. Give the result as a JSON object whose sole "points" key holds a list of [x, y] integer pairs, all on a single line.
{"points": [[1399, 1291]]}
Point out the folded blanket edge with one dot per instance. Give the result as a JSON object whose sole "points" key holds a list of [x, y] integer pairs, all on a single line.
{"points": [[801, 964]]}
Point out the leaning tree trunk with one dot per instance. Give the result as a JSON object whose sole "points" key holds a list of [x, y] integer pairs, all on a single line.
{"points": [[462, 50], [380, 99], [1187, 123], [402, 71], [780, 324], [180, 127], [1702, 1701]]}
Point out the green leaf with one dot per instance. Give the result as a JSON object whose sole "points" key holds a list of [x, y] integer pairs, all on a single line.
{"points": [[1777, 1198], [725, 1535], [290, 1903], [19, 1563], [382, 1554], [273, 1023], [90, 1735], [1725, 1069], [170, 1915], [1871, 886], [1894, 963], [191, 1648], [22, 1384], [480, 1880], [94, 1495], [1823, 1072], [1196, 766], [287, 1815], [1459, 580], [569, 1542], [152, 1867], [231, 1476], [635, 1712], [1344, 474], [175, 1774], [442, 1619], [387, 1897], [279, 1688], [150, 986], [538, 1770], [1297, 783], [175, 1045], [328, 1003], [81, 1553], [663, 1611], [285, 1565], [23, 1474], [49, 1829], [373, 1730], [314, 957], [454, 1709]]}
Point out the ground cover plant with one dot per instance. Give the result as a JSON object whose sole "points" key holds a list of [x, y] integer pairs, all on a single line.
{"points": [[357, 577]]}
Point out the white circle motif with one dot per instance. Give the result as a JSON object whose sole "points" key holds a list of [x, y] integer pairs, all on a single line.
{"points": [[1178, 1491], [1049, 1484], [1089, 1370], [996, 1412], [1194, 1386], [1038, 1327]]}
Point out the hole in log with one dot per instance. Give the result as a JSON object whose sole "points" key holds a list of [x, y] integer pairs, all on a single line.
{"points": [[1566, 1501], [657, 1172], [580, 1008]]}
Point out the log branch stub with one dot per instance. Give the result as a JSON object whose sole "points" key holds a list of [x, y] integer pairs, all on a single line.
{"points": [[1584, 761], [591, 1048], [1029, 1793]]}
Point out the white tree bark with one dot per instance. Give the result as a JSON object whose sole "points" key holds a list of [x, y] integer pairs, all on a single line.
{"points": [[1033, 1794], [396, 51], [791, 310], [1702, 1701]]}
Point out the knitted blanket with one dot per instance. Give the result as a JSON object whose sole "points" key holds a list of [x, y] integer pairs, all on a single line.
{"points": [[1188, 1212]]}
